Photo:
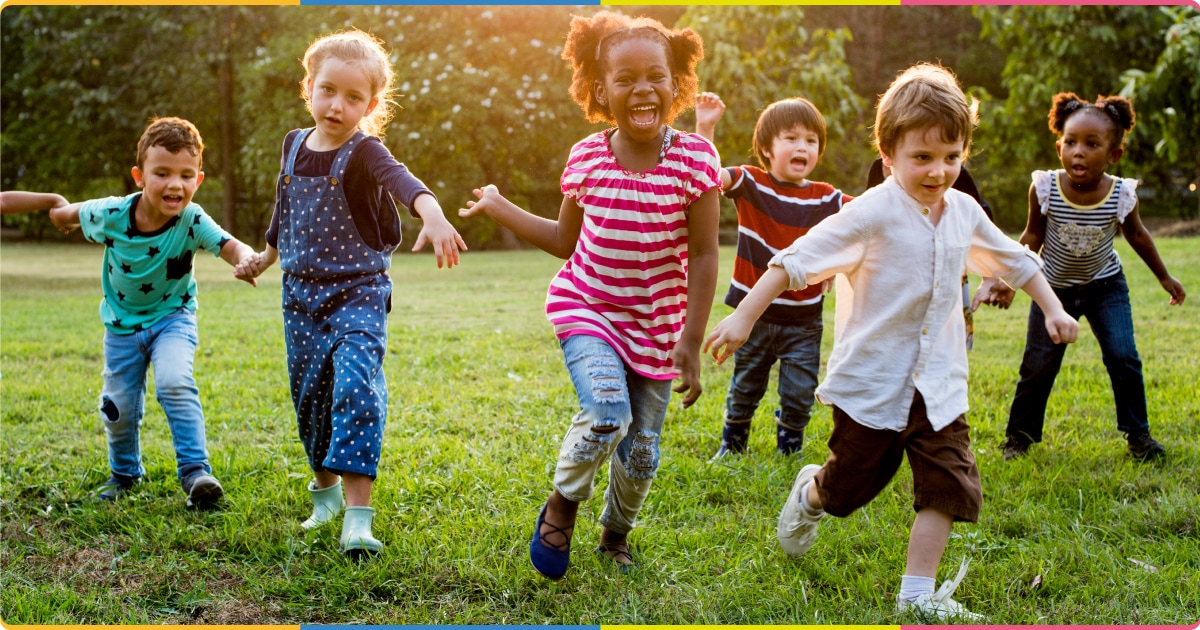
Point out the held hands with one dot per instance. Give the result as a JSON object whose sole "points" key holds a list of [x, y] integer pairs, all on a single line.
{"points": [[1173, 286], [995, 292], [251, 267]]}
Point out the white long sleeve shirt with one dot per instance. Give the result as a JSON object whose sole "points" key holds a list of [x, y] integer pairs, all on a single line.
{"points": [[898, 324]]}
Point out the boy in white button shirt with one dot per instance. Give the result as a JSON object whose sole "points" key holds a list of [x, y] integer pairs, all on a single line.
{"points": [[897, 375]]}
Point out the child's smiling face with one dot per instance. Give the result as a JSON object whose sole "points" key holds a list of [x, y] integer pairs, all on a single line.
{"points": [[638, 87], [925, 164], [339, 97], [168, 181]]}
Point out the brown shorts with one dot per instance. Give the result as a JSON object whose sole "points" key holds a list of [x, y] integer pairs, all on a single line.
{"points": [[862, 461]]}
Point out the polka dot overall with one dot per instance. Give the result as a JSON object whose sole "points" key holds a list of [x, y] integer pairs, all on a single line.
{"points": [[335, 295]]}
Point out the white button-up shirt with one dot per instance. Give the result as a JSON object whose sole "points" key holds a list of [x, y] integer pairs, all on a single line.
{"points": [[898, 323]]}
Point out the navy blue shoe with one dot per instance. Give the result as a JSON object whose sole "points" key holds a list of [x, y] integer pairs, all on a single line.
{"points": [[549, 560], [620, 551]]}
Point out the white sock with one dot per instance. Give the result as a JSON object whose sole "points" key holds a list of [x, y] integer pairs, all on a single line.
{"points": [[913, 586], [809, 510]]}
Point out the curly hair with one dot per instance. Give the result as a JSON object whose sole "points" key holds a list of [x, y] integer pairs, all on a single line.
{"points": [[172, 134], [590, 38], [1117, 110], [368, 53]]}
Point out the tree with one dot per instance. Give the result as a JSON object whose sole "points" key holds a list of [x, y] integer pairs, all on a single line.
{"points": [[1081, 49], [1168, 100]]}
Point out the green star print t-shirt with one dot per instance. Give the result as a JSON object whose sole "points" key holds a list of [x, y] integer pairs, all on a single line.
{"points": [[146, 276]]}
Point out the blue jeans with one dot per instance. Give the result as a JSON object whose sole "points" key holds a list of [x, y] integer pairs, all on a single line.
{"points": [[170, 345], [1105, 304], [797, 348], [620, 417]]}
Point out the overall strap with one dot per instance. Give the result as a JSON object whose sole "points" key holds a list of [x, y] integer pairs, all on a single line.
{"points": [[338, 169], [289, 167]]}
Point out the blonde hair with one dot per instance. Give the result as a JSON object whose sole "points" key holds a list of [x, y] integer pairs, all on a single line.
{"points": [[365, 51], [925, 96]]}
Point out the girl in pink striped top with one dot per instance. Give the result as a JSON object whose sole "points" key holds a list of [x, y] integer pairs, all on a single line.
{"points": [[638, 229]]}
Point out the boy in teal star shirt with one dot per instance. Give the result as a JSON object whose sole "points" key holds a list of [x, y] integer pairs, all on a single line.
{"points": [[149, 304]]}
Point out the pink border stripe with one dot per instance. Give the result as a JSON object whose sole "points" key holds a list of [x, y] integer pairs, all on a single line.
{"points": [[1123, 627]]}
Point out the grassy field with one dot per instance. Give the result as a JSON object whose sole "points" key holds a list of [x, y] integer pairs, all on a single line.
{"points": [[1076, 533]]}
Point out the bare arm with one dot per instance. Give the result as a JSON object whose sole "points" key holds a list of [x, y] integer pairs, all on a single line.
{"points": [[732, 332], [18, 201], [703, 258], [65, 218], [1139, 239], [235, 253], [709, 110], [557, 238], [1035, 226]]}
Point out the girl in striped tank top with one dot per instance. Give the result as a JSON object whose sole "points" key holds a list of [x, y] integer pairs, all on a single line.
{"points": [[638, 230], [1074, 214]]}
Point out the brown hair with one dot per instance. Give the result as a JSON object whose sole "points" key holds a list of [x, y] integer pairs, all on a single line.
{"points": [[365, 51], [172, 134], [1117, 110], [590, 37], [782, 116], [925, 96]]}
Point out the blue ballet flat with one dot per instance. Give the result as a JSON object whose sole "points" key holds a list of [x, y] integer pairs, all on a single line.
{"points": [[549, 560]]}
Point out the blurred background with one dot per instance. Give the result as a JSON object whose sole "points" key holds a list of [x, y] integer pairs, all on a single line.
{"points": [[483, 94]]}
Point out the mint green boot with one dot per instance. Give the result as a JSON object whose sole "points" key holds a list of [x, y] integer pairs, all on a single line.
{"points": [[327, 504], [356, 532]]}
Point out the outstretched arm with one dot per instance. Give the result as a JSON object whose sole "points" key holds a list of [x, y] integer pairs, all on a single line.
{"points": [[438, 231], [236, 253], [17, 201], [1062, 327], [65, 218], [734, 330], [557, 238], [703, 219], [709, 110], [1140, 240]]}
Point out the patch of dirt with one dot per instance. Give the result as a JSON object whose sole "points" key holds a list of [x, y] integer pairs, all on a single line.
{"points": [[1175, 228]]}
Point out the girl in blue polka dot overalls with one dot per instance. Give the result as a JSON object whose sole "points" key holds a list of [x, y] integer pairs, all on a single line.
{"points": [[333, 232]]}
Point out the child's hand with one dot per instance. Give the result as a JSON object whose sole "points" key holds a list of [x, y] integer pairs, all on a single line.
{"points": [[727, 337], [1173, 287], [1062, 327], [709, 110], [686, 360], [445, 239], [995, 292], [249, 268], [489, 197]]}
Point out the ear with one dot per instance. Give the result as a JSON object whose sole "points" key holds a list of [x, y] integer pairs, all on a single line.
{"points": [[1114, 156], [887, 161], [599, 93], [371, 106], [137, 177], [675, 85], [199, 178]]}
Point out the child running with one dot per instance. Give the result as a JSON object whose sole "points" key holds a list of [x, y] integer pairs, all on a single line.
{"points": [[1073, 218], [333, 231], [897, 375], [150, 301], [776, 204], [638, 229]]}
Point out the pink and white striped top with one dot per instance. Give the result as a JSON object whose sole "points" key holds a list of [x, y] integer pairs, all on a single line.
{"points": [[627, 280]]}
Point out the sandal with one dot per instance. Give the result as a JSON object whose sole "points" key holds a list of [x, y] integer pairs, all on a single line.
{"points": [[616, 551], [548, 559]]}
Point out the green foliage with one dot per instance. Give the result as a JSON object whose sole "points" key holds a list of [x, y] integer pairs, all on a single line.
{"points": [[478, 402], [1168, 99], [1081, 49]]}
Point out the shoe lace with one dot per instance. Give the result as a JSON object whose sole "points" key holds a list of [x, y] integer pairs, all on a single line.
{"points": [[942, 599]]}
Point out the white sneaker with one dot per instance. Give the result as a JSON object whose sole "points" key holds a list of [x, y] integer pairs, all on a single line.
{"points": [[930, 607], [797, 531]]}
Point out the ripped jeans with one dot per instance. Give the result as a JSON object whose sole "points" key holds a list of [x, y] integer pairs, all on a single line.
{"points": [[620, 417], [170, 345]]}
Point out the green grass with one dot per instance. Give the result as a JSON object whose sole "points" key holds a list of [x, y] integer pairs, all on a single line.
{"points": [[479, 400]]}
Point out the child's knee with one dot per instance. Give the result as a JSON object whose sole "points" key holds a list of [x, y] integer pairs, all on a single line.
{"points": [[643, 456], [598, 439]]}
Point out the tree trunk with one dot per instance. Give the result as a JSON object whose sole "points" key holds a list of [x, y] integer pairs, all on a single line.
{"points": [[229, 135]]}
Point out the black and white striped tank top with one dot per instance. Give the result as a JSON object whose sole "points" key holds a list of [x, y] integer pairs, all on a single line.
{"points": [[1078, 246]]}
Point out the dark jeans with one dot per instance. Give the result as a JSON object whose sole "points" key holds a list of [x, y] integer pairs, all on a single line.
{"points": [[797, 348], [1105, 304]]}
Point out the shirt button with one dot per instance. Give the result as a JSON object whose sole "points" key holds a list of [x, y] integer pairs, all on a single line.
{"points": [[333, 181], [287, 179], [916, 376], [924, 331], [925, 211]]}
